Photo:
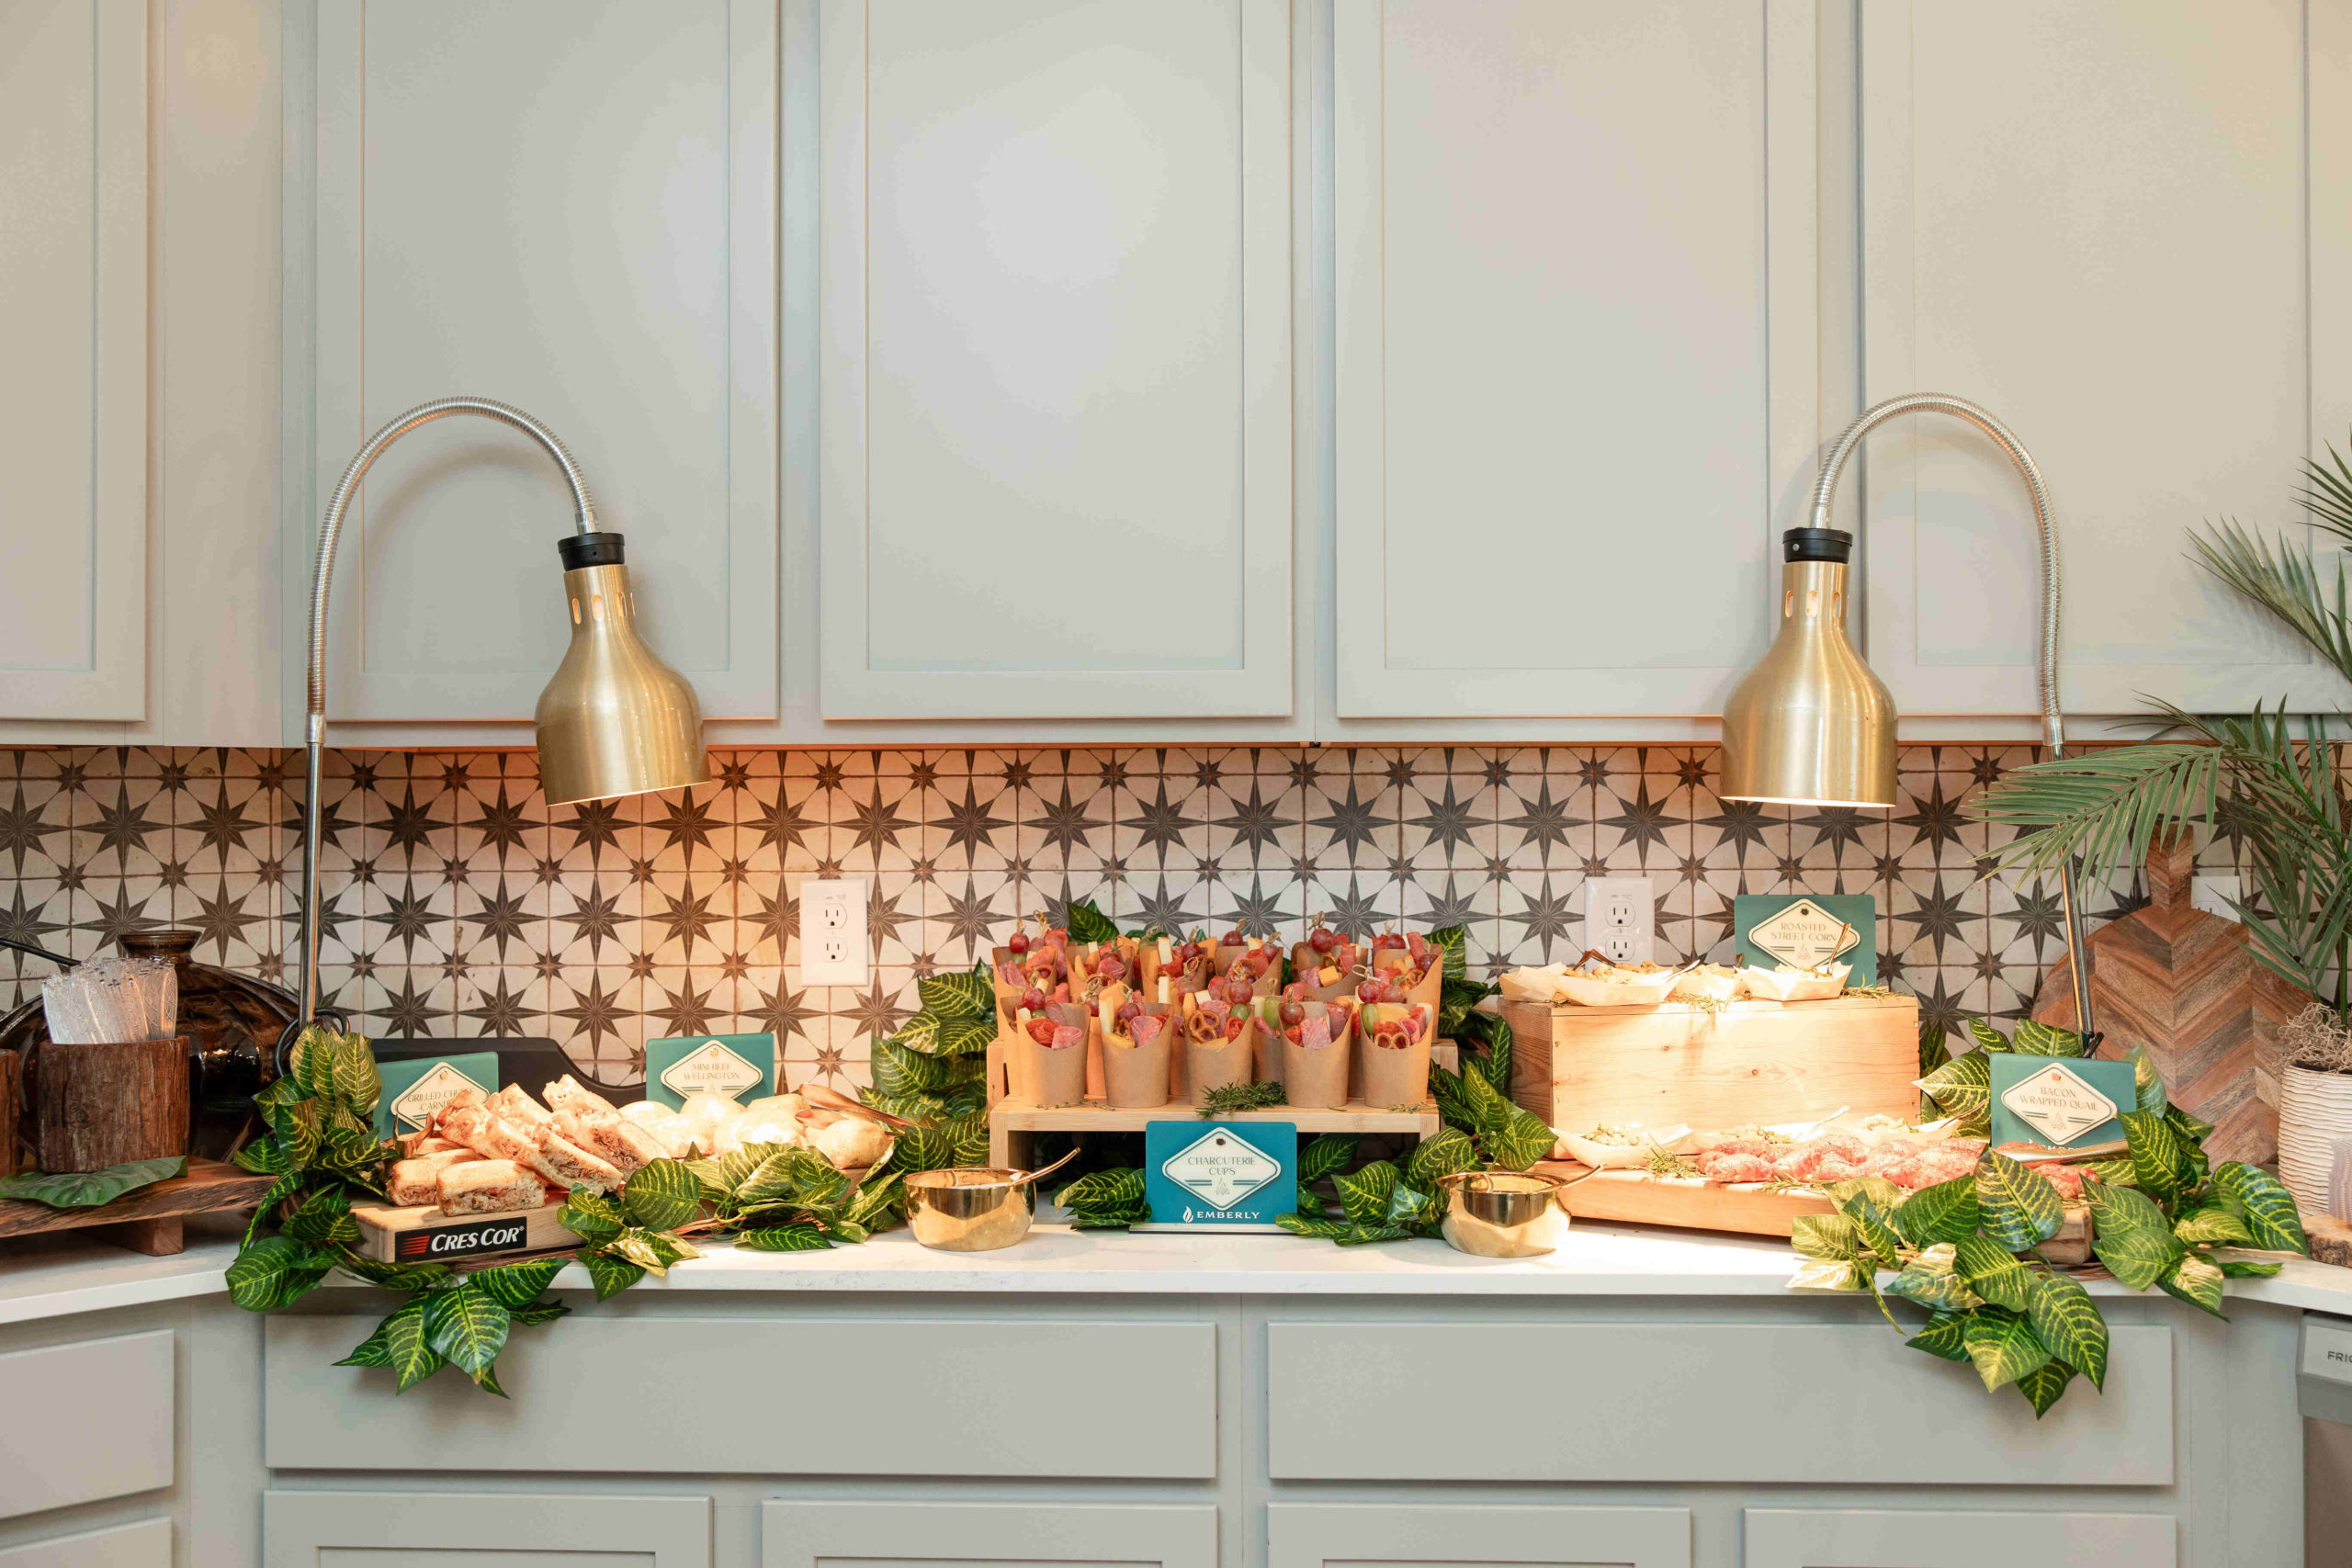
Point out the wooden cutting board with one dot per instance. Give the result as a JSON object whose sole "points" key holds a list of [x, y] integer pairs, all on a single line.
{"points": [[2183, 984]]}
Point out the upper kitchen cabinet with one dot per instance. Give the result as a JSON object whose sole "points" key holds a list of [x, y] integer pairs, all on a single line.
{"points": [[1575, 361], [2124, 229], [1053, 350], [570, 208], [73, 155]]}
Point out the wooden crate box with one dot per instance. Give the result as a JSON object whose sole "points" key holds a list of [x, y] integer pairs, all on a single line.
{"points": [[1748, 1061]]}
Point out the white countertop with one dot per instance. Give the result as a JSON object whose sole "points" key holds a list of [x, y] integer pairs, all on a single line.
{"points": [[1599, 1260]]}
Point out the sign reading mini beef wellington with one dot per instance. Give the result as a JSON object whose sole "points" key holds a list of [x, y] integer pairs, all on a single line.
{"points": [[415, 1092], [2061, 1102], [1808, 930], [740, 1066]]}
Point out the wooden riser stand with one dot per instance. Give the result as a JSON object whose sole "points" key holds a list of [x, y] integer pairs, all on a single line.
{"points": [[148, 1221], [1013, 1123]]}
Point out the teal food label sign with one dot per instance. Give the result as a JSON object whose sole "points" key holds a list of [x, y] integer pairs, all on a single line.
{"points": [[1220, 1173], [1807, 930], [414, 1092], [740, 1066], [2060, 1101]]}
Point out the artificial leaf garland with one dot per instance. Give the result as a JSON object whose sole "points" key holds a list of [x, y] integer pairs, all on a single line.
{"points": [[1964, 1250]]}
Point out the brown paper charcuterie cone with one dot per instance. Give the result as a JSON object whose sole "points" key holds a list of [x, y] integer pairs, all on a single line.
{"points": [[1218, 1063], [1135, 1076], [1056, 1074], [1316, 1077], [1428, 990], [1393, 1076], [1264, 984]]}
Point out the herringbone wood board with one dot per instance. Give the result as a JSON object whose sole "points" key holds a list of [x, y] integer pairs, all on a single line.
{"points": [[2181, 983]]}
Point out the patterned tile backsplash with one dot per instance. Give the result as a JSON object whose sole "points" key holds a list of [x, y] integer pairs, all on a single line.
{"points": [[458, 903]]}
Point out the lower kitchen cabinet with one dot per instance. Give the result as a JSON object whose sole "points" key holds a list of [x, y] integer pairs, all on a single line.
{"points": [[1036, 1535], [1314, 1535], [484, 1529], [106, 1429], [1859, 1538], [147, 1544]]}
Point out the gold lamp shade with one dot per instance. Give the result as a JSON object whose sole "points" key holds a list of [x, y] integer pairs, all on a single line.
{"points": [[614, 719], [1810, 725]]}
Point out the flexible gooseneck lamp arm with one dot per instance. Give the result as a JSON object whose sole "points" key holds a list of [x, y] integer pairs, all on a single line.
{"points": [[2053, 725], [321, 578]]}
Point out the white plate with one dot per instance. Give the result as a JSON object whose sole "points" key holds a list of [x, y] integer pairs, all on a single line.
{"points": [[1783, 986], [1674, 1140]]}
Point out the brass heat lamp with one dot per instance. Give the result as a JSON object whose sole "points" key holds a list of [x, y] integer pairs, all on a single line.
{"points": [[1812, 724], [614, 720]]}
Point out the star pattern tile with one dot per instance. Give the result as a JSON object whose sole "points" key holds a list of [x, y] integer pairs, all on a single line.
{"points": [[457, 901]]}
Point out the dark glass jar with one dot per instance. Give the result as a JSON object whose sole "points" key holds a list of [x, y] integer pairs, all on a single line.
{"points": [[231, 1022]]}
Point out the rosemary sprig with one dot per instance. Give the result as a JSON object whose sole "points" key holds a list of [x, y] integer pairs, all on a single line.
{"points": [[1229, 1098], [1661, 1162]]}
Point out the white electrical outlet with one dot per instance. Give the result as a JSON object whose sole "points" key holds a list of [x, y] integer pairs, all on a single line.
{"points": [[1617, 918], [833, 931], [2212, 894]]}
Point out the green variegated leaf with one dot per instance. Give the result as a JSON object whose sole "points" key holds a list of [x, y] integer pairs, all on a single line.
{"points": [[1103, 1191], [2197, 1280], [592, 1216], [1455, 941], [88, 1189], [1828, 1274], [1987, 1037], [919, 1033], [1870, 1202], [2130, 1235], [1946, 1335], [637, 1247], [1088, 924], [369, 1352], [2116, 1172], [1929, 1279], [2068, 1322], [1521, 1140], [964, 1036], [310, 1061], [1441, 1156], [2146, 1080], [2040, 1040], [274, 1272], [1945, 1212], [1496, 1063], [2159, 1158], [1364, 1196], [2214, 1221], [516, 1285], [1331, 1154], [263, 1156], [2014, 1204], [610, 1275], [1962, 1087], [1488, 1111], [921, 1148], [1455, 999], [968, 1139], [2042, 1385], [1360, 1235], [412, 1360], [2271, 1218], [879, 1202], [661, 1196], [2193, 1129], [466, 1327], [1304, 1225], [356, 1082], [1409, 1207], [1827, 1235], [710, 1180], [406, 1277], [285, 1187], [958, 995], [1992, 1273], [323, 1220], [2247, 1269], [537, 1313], [2003, 1346], [1308, 1201], [1453, 1099], [798, 1236]]}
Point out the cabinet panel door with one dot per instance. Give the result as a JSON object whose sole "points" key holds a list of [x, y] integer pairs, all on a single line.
{"points": [[1055, 359], [73, 401], [1575, 356], [105, 1428], [1859, 1538], [2100, 223], [571, 208], [1036, 1535], [147, 1544], [1651, 1397], [420, 1529], [1323, 1535]]}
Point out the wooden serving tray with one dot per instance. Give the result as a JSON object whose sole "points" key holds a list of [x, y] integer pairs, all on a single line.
{"points": [[426, 1235], [147, 1220], [1746, 1207]]}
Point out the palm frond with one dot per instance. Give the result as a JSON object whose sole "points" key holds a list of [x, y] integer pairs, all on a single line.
{"points": [[2104, 807], [2328, 497], [2283, 580]]}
